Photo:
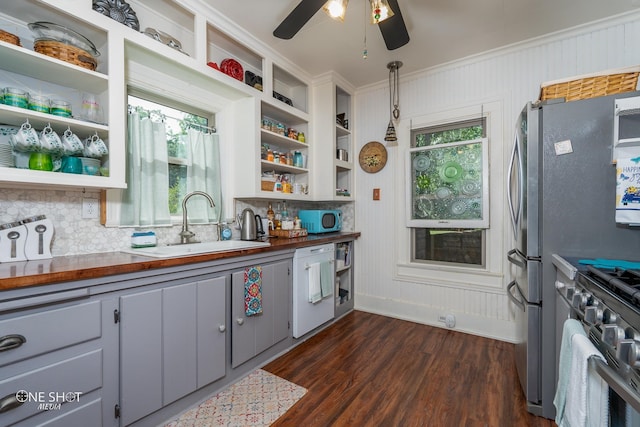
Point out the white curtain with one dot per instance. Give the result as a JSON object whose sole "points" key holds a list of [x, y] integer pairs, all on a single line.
{"points": [[145, 202], [203, 174]]}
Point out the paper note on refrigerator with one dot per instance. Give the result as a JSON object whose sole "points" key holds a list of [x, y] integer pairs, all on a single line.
{"points": [[628, 191]]}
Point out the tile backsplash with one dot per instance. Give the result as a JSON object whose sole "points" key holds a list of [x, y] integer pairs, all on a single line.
{"points": [[75, 235]]}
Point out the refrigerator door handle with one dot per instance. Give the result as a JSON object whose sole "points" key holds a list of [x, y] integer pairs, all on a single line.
{"points": [[515, 210], [518, 302], [516, 257]]}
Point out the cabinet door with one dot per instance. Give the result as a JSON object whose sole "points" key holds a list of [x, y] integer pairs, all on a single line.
{"points": [[211, 329], [179, 341], [140, 354], [252, 335], [274, 326]]}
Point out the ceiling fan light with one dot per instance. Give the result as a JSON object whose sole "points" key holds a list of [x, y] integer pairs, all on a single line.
{"points": [[336, 9], [380, 10]]}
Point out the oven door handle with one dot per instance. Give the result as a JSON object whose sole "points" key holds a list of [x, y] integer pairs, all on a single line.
{"points": [[613, 380], [518, 302]]}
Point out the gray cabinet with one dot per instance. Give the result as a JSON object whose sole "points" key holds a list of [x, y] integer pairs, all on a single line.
{"points": [[172, 342], [251, 335], [56, 363]]}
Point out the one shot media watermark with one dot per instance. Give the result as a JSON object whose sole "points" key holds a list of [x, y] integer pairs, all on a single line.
{"points": [[48, 401]]}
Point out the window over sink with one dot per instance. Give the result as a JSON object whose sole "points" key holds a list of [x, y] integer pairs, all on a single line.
{"points": [[177, 121]]}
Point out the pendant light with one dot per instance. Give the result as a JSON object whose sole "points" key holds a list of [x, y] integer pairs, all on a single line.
{"points": [[380, 10], [336, 9], [394, 102]]}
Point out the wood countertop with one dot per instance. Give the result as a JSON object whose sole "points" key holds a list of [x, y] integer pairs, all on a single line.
{"points": [[90, 266]]}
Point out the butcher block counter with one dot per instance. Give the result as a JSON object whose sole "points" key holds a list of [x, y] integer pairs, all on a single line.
{"points": [[95, 266]]}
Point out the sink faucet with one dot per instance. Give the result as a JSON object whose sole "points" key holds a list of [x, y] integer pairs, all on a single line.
{"points": [[185, 234]]}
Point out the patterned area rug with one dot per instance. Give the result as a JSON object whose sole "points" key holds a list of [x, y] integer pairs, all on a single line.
{"points": [[258, 399]]}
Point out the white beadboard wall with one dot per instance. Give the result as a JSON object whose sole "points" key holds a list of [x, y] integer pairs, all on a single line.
{"points": [[511, 75]]}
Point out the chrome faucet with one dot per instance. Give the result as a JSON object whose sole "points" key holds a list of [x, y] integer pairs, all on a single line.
{"points": [[185, 234]]}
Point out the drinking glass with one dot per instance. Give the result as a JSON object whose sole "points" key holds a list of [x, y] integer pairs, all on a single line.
{"points": [[40, 161]]}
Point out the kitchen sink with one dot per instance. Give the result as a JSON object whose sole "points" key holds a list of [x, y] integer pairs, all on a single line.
{"points": [[196, 248]]}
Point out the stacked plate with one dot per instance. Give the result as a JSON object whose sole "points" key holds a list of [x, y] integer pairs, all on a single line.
{"points": [[90, 166], [6, 152]]}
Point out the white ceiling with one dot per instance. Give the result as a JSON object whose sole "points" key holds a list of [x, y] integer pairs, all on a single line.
{"points": [[440, 31]]}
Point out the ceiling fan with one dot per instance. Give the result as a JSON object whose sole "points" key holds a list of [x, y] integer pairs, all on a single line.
{"points": [[392, 26]]}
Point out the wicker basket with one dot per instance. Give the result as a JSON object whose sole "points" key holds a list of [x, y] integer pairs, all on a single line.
{"points": [[289, 234], [266, 185], [65, 52], [590, 86], [9, 38]]}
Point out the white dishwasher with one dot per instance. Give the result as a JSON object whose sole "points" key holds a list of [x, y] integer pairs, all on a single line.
{"points": [[311, 310]]}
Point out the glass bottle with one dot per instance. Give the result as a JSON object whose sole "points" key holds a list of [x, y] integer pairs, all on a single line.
{"points": [[270, 214], [297, 159]]}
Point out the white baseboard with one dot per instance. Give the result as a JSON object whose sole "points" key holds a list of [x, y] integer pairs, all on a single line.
{"points": [[498, 329]]}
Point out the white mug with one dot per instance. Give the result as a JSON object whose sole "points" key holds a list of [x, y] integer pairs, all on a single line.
{"points": [[50, 141], [95, 147], [25, 139], [71, 143]]}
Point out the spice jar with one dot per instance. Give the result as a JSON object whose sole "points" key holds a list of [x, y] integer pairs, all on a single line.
{"points": [[270, 157]]}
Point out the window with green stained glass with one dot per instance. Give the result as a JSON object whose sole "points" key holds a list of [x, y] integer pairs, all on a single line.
{"points": [[448, 203]]}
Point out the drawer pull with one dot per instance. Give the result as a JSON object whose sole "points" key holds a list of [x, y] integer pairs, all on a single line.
{"points": [[9, 402], [9, 342]]}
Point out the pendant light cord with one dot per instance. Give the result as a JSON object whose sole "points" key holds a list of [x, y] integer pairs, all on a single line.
{"points": [[394, 95]]}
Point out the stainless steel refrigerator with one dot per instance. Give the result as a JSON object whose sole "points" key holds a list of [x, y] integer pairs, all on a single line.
{"points": [[561, 191]]}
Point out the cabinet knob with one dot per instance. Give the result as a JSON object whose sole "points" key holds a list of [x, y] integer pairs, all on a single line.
{"points": [[240, 321], [9, 342], [222, 328]]}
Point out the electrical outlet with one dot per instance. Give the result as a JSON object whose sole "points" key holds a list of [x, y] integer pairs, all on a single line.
{"points": [[449, 320], [90, 208]]}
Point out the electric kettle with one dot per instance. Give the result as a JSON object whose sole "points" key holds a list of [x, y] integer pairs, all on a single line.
{"points": [[250, 225]]}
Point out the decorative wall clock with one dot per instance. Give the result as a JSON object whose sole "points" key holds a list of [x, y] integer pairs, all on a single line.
{"points": [[373, 157]]}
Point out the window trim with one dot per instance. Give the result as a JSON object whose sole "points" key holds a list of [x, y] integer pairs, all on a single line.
{"points": [[487, 278]]}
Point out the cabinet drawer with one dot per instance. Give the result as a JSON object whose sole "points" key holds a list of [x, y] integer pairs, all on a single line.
{"points": [[48, 331], [63, 382]]}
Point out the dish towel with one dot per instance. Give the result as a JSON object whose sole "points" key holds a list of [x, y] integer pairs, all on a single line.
{"points": [[326, 279], [315, 292], [252, 290], [570, 328], [587, 394], [611, 263], [628, 191]]}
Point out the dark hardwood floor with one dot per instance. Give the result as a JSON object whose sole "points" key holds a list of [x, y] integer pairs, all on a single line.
{"points": [[370, 370]]}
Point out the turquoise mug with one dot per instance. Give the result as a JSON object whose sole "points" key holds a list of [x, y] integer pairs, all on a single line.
{"points": [[71, 164]]}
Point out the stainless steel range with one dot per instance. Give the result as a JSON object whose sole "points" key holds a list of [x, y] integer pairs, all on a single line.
{"points": [[605, 297]]}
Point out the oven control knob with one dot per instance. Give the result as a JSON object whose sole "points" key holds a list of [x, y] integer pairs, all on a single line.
{"points": [[593, 315], [609, 317], [580, 299], [633, 354], [612, 334], [560, 285]]}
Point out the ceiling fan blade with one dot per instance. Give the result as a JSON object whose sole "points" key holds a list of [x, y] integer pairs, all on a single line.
{"points": [[297, 18], [394, 31]]}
